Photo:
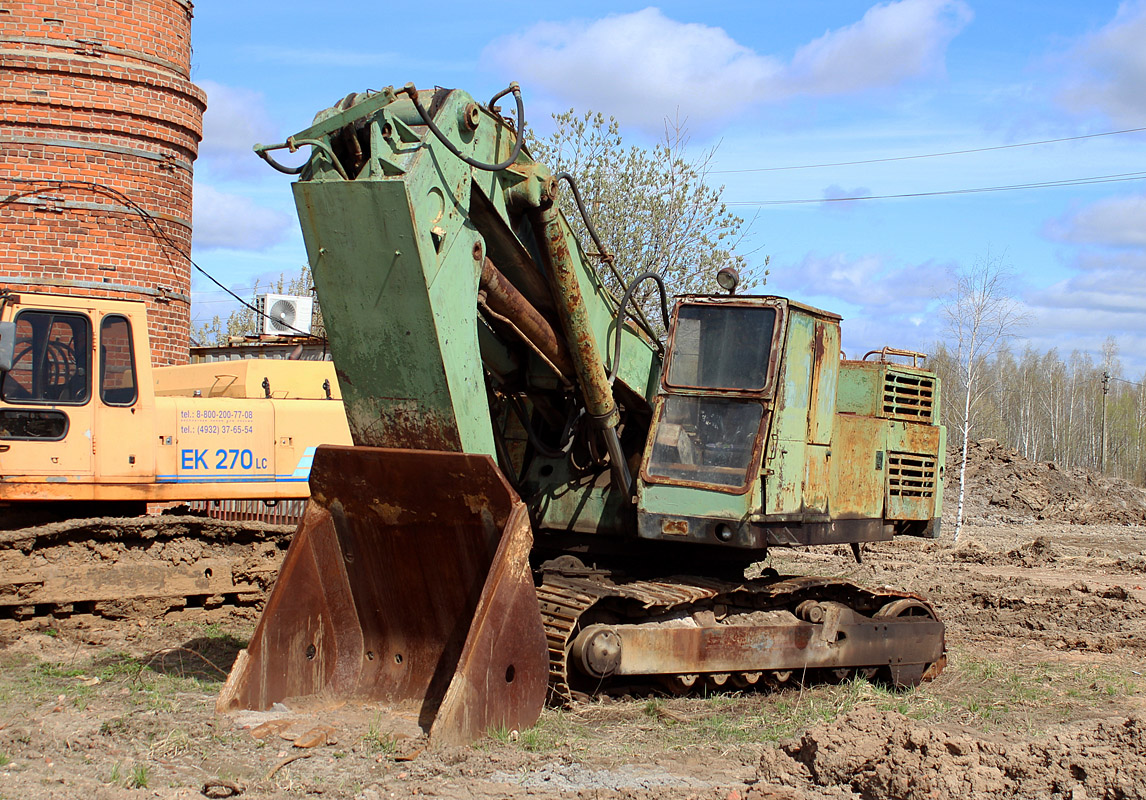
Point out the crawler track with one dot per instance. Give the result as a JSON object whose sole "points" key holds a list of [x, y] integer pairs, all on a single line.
{"points": [[569, 603], [130, 567]]}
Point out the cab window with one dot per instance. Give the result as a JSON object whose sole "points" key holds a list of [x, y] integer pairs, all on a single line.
{"points": [[707, 440], [23, 423], [721, 347], [51, 362], [116, 362]]}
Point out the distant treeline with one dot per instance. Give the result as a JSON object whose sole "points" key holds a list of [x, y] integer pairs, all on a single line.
{"points": [[1050, 409]]}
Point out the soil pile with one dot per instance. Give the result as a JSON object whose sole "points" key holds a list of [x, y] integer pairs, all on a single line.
{"points": [[874, 755], [1003, 485]]}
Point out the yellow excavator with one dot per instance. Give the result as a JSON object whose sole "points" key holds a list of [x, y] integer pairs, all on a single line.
{"points": [[90, 434], [544, 498]]}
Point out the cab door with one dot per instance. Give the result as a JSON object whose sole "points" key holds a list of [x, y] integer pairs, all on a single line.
{"points": [[46, 407], [125, 423]]}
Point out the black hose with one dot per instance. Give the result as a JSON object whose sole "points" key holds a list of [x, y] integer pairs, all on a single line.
{"points": [[565, 176], [620, 319], [606, 256], [262, 151], [538, 445], [412, 91]]}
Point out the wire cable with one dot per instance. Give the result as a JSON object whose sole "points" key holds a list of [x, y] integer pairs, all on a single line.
{"points": [[150, 222], [1116, 178], [926, 155]]}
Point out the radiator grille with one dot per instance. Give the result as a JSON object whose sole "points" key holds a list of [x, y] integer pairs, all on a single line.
{"points": [[910, 475], [907, 396]]}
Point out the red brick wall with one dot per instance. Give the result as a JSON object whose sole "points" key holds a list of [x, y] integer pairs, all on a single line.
{"points": [[99, 121]]}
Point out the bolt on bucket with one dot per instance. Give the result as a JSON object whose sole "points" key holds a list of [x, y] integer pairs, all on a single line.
{"points": [[407, 585]]}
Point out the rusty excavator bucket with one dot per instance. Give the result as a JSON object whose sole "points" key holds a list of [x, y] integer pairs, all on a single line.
{"points": [[407, 585]]}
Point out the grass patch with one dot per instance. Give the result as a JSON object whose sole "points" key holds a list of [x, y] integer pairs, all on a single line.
{"points": [[376, 741], [140, 775], [979, 692]]}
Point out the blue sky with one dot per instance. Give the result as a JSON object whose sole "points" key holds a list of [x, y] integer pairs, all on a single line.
{"points": [[769, 85]]}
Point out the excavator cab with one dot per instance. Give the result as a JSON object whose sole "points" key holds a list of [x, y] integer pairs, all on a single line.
{"points": [[711, 415]]}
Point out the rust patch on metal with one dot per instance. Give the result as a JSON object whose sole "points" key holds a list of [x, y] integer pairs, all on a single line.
{"points": [[674, 527], [504, 299], [401, 423], [430, 605], [550, 229]]}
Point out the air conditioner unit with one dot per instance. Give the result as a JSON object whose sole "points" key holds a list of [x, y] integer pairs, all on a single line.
{"points": [[283, 314]]}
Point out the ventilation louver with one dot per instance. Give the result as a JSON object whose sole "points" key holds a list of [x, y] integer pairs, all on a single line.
{"points": [[910, 475], [908, 396]]}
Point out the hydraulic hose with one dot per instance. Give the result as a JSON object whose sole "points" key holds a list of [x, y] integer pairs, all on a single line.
{"points": [[620, 319], [540, 446], [606, 256], [412, 91]]}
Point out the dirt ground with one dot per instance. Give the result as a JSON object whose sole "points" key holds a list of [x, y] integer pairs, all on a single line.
{"points": [[1044, 696]]}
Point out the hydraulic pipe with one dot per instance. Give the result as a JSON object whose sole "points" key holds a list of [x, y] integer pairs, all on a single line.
{"points": [[504, 298], [598, 394]]}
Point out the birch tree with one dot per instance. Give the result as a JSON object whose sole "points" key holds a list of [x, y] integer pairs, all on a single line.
{"points": [[980, 316]]}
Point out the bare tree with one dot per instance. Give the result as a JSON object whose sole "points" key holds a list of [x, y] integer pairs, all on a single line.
{"points": [[980, 317]]}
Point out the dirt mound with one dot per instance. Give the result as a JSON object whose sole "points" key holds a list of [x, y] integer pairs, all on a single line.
{"points": [[873, 754], [1002, 484]]}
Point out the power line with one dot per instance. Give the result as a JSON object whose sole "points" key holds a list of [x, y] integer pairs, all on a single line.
{"points": [[1132, 383], [1116, 178], [927, 155], [149, 221]]}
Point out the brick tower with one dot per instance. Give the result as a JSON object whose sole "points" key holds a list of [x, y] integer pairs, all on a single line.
{"points": [[99, 126]]}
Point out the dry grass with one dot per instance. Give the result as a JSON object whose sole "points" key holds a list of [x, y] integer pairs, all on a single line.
{"points": [[975, 691]]}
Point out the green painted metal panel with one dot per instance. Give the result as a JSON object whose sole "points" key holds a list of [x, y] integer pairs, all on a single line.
{"points": [[784, 484], [409, 369], [826, 355], [860, 388], [687, 501], [785, 467]]}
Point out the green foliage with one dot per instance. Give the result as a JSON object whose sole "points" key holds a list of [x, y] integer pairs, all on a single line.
{"points": [[376, 741], [652, 208]]}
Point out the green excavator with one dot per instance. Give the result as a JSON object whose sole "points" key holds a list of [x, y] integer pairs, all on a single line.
{"points": [[548, 498]]}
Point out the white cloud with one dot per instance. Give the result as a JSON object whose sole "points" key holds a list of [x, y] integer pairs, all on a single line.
{"points": [[1116, 287], [643, 60], [236, 222], [1106, 296], [1114, 221], [1112, 69], [234, 122], [644, 66], [869, 282], [892, 42]]}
